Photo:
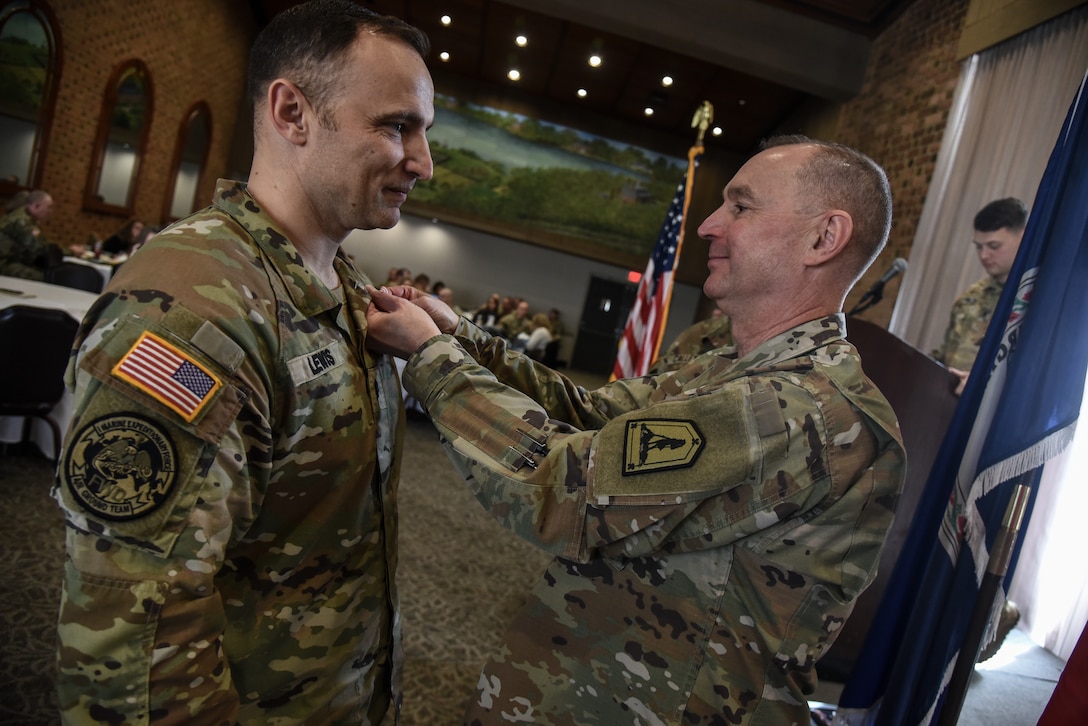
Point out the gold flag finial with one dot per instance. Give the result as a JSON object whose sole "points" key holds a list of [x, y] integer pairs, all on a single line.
{"points": [[704, 115]]}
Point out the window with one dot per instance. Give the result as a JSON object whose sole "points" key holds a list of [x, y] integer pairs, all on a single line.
{"points": [[190, 158], [121, 141], [30, 62]]}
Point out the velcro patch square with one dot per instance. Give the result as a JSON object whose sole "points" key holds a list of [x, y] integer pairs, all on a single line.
{"points": [[168, 375]]}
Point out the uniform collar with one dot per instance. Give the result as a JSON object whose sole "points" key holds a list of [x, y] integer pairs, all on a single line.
{"points": [[307, 292], [798, 341]]}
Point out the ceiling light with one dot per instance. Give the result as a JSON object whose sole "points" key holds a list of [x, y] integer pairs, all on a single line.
{"points": [[446, 20], [522, 41], [741, 102], [594, 60], [582, 93], [717, 131], [666, 81], [648, 111], [513, 74], [444, 55]]}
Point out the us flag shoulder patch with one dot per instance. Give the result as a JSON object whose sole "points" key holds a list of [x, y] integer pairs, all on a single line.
{"points": [[168, 375]]}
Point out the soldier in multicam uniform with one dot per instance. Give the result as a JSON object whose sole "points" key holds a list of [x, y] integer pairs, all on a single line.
{"points": [[999, 227], [24, 250], [230, 476], [705, 335], [712, 525]]}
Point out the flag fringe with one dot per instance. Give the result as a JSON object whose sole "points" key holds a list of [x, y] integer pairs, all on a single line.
{"points": [[1004, 470]]}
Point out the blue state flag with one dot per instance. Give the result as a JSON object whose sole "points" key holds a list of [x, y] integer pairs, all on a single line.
{"points": [[1018, 410]]}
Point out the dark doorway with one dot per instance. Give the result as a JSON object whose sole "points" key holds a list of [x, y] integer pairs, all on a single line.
{"points": [[604, 316]]}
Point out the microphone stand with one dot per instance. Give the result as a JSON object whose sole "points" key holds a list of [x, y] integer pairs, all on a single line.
{"points": [[869, 299]]}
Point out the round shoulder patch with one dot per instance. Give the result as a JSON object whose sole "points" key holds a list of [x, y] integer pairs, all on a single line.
{"points": [[121, 467]]}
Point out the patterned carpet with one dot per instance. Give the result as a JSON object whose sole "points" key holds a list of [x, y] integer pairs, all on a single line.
{"points": [[461, 579]]}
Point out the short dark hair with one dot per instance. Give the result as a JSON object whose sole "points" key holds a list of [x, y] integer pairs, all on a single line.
{"points": [[1008, 212], [840, 177], [303, 42]]}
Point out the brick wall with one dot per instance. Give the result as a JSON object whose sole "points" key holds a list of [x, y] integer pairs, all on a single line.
{"points": [[899, 119], [194, 49]]}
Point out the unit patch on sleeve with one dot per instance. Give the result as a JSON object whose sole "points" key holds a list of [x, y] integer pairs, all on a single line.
{"points": [[121, 467], [168, 375], [660, 444]]}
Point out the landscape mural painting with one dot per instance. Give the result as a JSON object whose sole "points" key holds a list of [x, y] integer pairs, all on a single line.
{"points": [[545, 183]]}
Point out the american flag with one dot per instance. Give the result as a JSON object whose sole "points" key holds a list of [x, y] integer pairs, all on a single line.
{"points": [[646, 323], [168, 375]]}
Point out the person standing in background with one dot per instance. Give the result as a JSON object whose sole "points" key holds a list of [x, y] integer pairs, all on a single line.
{"points": [[999, 227]]}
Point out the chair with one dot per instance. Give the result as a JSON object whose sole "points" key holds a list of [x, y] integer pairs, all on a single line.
{"points": [[35, 344], [73, 274]]}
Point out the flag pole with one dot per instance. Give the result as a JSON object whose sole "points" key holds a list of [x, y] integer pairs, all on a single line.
{"points": [[701, 121], [989, 589], [641, 339]]}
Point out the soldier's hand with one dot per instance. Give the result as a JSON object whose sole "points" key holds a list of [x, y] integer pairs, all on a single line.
{"points": [[396, 324], [962, 375]]}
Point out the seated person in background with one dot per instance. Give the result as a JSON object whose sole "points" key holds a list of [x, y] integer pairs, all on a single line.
{"points": [[487, 315], [24, 250], [121, 241], [705, 335], [516, 322], [445, 294], [999, 227], [556, 323], [713, 525], [538, 338], [144, 237]]}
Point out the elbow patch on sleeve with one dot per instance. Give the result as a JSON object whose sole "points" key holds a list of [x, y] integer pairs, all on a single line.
{"points": [[685, 450]]}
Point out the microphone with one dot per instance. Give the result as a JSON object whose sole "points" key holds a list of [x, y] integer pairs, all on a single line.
{"points": [[876, 292], [899, 266]]}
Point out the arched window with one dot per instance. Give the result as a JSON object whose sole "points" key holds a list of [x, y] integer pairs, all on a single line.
{"points": [[190, 158], [30, 62], [123, 126]]}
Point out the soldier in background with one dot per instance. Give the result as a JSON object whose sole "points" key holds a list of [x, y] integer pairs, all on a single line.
{"points": [[229, 479], [705, 335], [24, 250], [713, 525], [999, 227]]}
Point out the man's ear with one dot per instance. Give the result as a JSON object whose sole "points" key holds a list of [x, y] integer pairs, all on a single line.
{"points": [[834, 233], [288, 111]]}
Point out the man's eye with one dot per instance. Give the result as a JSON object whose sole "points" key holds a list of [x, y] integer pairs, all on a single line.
{"points": [[738, 208]]}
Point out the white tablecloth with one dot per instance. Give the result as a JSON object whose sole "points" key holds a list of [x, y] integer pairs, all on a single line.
{"points": [[104, 268], [16, 291]]}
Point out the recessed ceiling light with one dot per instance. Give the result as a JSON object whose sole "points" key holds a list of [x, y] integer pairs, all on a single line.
{"points": [[666, 81], [717, 131], [522, 41], [582, 93], [741, 102], [444, 55], [594, 60], [446, 20], [648, 111], [513, 74]]}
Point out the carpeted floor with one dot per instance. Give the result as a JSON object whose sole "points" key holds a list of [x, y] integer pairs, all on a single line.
{"points": [[461, 579]]}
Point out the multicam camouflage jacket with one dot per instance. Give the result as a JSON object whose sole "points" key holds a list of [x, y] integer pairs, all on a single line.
{"points": [[967, 324], [713, 525], [229, 483], [24, 250]]}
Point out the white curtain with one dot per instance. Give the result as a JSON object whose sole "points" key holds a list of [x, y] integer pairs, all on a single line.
{"points": [[1008, 108]]}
